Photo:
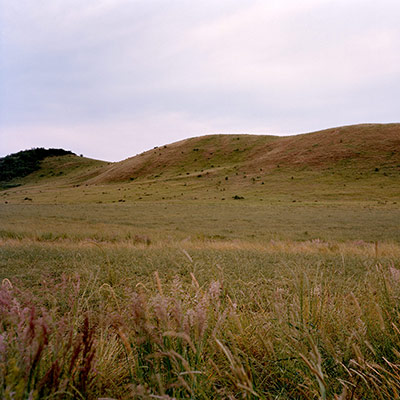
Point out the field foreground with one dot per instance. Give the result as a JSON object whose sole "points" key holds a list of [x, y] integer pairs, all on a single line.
{"points": [[181, 300]]}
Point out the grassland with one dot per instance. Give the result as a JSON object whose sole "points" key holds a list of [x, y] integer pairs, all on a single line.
{"points": [[165, 286]]}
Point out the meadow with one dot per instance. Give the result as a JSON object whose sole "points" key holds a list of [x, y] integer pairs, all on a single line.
{"points": [[200, 299]]}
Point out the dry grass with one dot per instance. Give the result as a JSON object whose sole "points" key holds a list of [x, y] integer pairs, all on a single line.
{"points": [[143, 242], [303, 336]]}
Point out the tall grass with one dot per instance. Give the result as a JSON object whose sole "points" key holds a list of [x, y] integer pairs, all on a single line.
{"points": [[42, 354], [304, 335]]}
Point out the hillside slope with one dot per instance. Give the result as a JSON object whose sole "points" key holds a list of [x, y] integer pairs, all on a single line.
{"points": [[361, 144], [354, 163], [211, 152], [68, 169], [41, 166], [25, 162], [366, 146]]}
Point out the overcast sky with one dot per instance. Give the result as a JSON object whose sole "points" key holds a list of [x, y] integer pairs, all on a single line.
{"points": [[111, 78]]}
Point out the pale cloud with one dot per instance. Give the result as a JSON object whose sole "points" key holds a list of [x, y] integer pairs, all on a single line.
{"points": [[110, 78]]}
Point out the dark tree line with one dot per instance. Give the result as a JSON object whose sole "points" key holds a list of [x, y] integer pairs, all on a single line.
{"points": [[24, 162]]}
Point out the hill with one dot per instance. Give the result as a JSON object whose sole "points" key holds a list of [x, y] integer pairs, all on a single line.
{"points": [[40, 164], [368, 145], [25, 162], [360, 162]]}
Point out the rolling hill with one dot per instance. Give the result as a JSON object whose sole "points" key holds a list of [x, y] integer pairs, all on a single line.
{"points": [[353, 162], [366, 146]]}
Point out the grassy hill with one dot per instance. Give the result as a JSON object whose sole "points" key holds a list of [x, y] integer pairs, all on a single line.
{"points": [[39, 164], [360, 162], [67, 170], [368, 146], [18, 165]]}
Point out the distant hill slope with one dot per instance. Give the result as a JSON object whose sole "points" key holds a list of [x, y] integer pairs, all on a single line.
{"points": [[352, 163], [367, 146], [210, 152], [367, 143], [25, 162], [68, 169], [349, 148], [40, 165]]}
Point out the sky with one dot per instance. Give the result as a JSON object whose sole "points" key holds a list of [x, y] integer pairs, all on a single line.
{"points": [[112, 78]]}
